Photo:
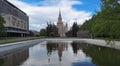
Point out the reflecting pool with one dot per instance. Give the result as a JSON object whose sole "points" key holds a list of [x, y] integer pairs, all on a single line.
{"points": [[68, 53]]}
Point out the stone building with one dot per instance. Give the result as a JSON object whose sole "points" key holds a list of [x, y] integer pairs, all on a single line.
{"points": [[84, 34], [17, 22], [62, 29]]}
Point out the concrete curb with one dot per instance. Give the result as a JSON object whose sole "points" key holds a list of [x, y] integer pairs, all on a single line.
{"points": [[112, 44], [11, 47], [8, 48]]}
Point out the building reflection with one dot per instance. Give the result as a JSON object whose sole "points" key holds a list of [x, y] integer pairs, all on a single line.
{"points": [[62, 46], [15, 59], [59, 47]]}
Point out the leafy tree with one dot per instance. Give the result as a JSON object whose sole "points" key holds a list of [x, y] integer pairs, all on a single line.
{"points": [[42, 32], [2, 28], [105, 23], [51, 30]]}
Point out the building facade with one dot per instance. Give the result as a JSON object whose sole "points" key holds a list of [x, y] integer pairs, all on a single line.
{"points": [[62, 29], [17, 22]]}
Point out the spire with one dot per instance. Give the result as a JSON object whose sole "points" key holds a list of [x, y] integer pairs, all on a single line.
{"points": [[59, 13], [59, 17]]}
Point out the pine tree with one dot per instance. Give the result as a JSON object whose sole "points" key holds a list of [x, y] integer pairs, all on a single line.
{"points": [[75, 29]]}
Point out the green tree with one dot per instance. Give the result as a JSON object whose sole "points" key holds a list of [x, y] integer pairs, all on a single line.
{"points": [[106, 22], [42, 32], [51, 30], [2, 28], [69, 33], [75, 29]]}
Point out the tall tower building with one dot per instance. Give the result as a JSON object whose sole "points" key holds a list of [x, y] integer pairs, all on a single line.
{"points": [[61, 27]]}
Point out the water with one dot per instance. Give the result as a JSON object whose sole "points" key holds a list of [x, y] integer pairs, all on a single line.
{"points": [[63, 54]]}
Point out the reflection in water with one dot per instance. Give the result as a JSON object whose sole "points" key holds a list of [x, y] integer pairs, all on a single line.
{"points": [[63, 54], [60, 47], [66, 47], [102, 56], [1, 61], [14, 59], [77, 46]]}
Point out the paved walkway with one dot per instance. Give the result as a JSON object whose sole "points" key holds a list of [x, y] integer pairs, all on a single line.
{"points": [[8, 48], [105, 43], [16, 39]]}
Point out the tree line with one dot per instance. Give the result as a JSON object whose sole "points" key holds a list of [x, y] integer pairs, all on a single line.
{"points": [[105, 23], [52, 31]]}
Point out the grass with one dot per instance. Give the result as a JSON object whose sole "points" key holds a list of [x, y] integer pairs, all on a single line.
{"points": [[16, 39]]}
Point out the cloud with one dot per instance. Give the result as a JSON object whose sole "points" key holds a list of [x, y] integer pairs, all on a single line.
{"points": [[119, 1], [41, 12]]}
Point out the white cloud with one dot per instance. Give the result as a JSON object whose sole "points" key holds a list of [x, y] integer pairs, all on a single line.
{"points": [[119, 1], [39, 15]]}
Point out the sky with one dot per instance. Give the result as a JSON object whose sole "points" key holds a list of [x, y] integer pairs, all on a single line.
{"points": [[42, 11]]}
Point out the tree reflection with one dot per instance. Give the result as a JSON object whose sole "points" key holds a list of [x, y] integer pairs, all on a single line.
{"points": [[77, 46], [103, 56], [51, 47], [1, 61]]}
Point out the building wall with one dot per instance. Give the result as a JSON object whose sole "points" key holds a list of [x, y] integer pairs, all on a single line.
{"points": [[8, 8], [14, 17], [84, 34], [61, 29], [13, 14], [12, 21]]}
